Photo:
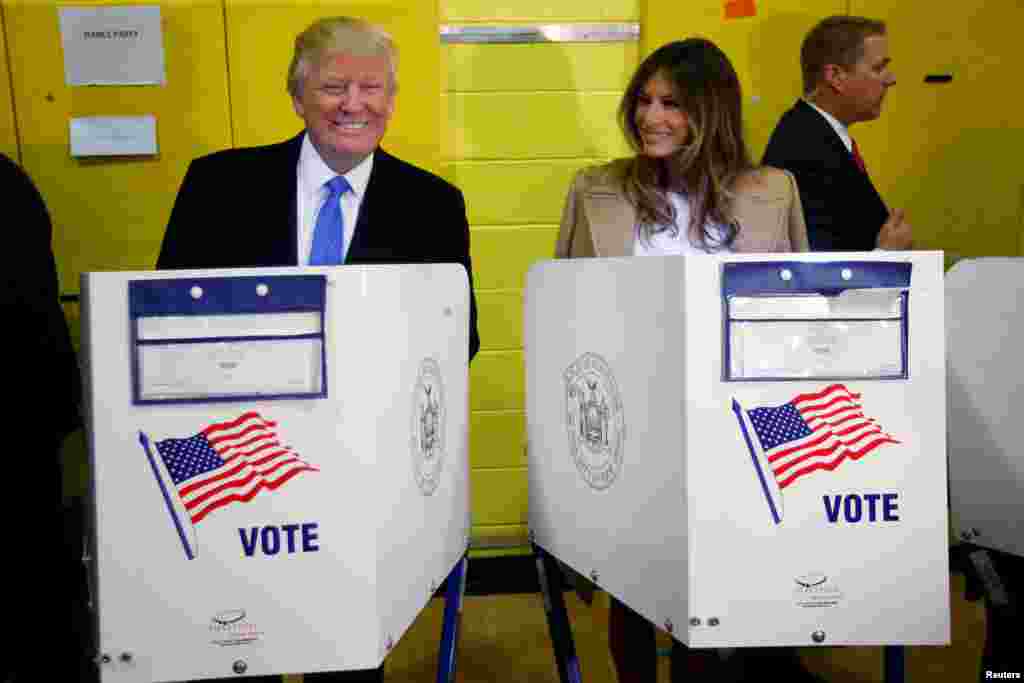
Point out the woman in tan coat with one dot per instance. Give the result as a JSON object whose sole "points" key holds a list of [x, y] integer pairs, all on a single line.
{"points": [[691, 184], [690, 188]]}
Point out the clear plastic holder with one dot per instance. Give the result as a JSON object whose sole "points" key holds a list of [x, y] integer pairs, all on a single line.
{"points": [[823, 320], [215, 339]]}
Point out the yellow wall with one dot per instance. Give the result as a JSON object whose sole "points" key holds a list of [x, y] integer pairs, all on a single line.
{"points": [[518, 120], [948, 153], [109, 214], [8, 133], [494, 11]]}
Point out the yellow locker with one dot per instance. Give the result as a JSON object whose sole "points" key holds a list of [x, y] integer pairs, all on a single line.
{"points": [[496, 381], [518, 121], [8, 132], [948, 152], [471, 67], [499, 496], [501, 256], [496, 540], [539, 10], [764, 49], [541, 125], [497, 439], [110, 213], [501, 319], [260, 40], [529, 192]]}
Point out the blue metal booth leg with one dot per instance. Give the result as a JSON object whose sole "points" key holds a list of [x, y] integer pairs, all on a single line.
{"points": [[558, 619], [894, 663], [454, 592]]}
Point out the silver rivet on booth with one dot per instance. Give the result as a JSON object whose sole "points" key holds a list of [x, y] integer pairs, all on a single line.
{"points": [[262, 289], [196, 292], [846, 273], [786, 274]]}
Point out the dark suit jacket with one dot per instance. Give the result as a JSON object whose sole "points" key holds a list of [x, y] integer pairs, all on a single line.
{"points": [[237, 208], [43, 371], [41, 407], [843, 210]]}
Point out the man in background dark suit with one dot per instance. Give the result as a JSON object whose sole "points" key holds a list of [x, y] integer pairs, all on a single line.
{"points": [[262, 206], [329, 195], [42, 407], [845, 63]]}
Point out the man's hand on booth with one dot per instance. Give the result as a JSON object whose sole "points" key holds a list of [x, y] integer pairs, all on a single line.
{"points": [[896, 234]]}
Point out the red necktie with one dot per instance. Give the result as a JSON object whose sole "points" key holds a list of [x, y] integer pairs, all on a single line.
{"points": [[858, 159]]}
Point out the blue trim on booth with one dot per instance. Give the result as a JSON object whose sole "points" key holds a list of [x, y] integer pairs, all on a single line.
{"points": [[895, 664], [241, 295], [226, 295], [219, 340], [760, 278], [764, 279], [455, 590]]}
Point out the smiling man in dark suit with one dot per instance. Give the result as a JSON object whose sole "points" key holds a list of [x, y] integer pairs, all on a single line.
{"points": [[330, 194], [845, 62]]}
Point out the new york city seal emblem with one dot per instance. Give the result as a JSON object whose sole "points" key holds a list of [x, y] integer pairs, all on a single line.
{"points": [[594, 419], [426, 438]]}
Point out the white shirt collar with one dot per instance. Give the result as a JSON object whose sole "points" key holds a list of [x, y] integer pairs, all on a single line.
{"points": [[837, 126], [314, 171]]}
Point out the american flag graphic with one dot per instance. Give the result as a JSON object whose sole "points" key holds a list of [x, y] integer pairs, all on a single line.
{"points": [[812, 432], [229, 462]]}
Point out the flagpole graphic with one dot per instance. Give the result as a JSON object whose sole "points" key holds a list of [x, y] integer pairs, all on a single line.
{"points": [[776, 510], [189, 552]]}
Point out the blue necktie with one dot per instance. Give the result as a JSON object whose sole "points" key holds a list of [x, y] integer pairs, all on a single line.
{"points": [[329, 233]]}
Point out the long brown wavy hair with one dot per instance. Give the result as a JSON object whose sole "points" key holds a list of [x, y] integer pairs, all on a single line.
{"points": [[708, 90]]}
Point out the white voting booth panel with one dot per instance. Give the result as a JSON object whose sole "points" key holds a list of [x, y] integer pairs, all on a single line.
{"points": [[749, 450], [279, 463], [985, 328]]}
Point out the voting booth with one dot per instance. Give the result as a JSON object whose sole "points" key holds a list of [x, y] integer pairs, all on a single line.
{"points": [[280, 477], [985, 334], [748, 450]]}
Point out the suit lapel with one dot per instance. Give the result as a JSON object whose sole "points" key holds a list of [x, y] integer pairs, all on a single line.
{"points": [[282, 188], [361, 235], [612, 220], [834, 147], [837, 150]]}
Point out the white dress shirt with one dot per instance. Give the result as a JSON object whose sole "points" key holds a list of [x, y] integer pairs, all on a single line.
{"points": [[664, 243], [311, 174]]}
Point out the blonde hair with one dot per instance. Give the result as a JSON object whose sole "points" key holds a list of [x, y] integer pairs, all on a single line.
{"points": [[340, 34], [714, 156]]}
